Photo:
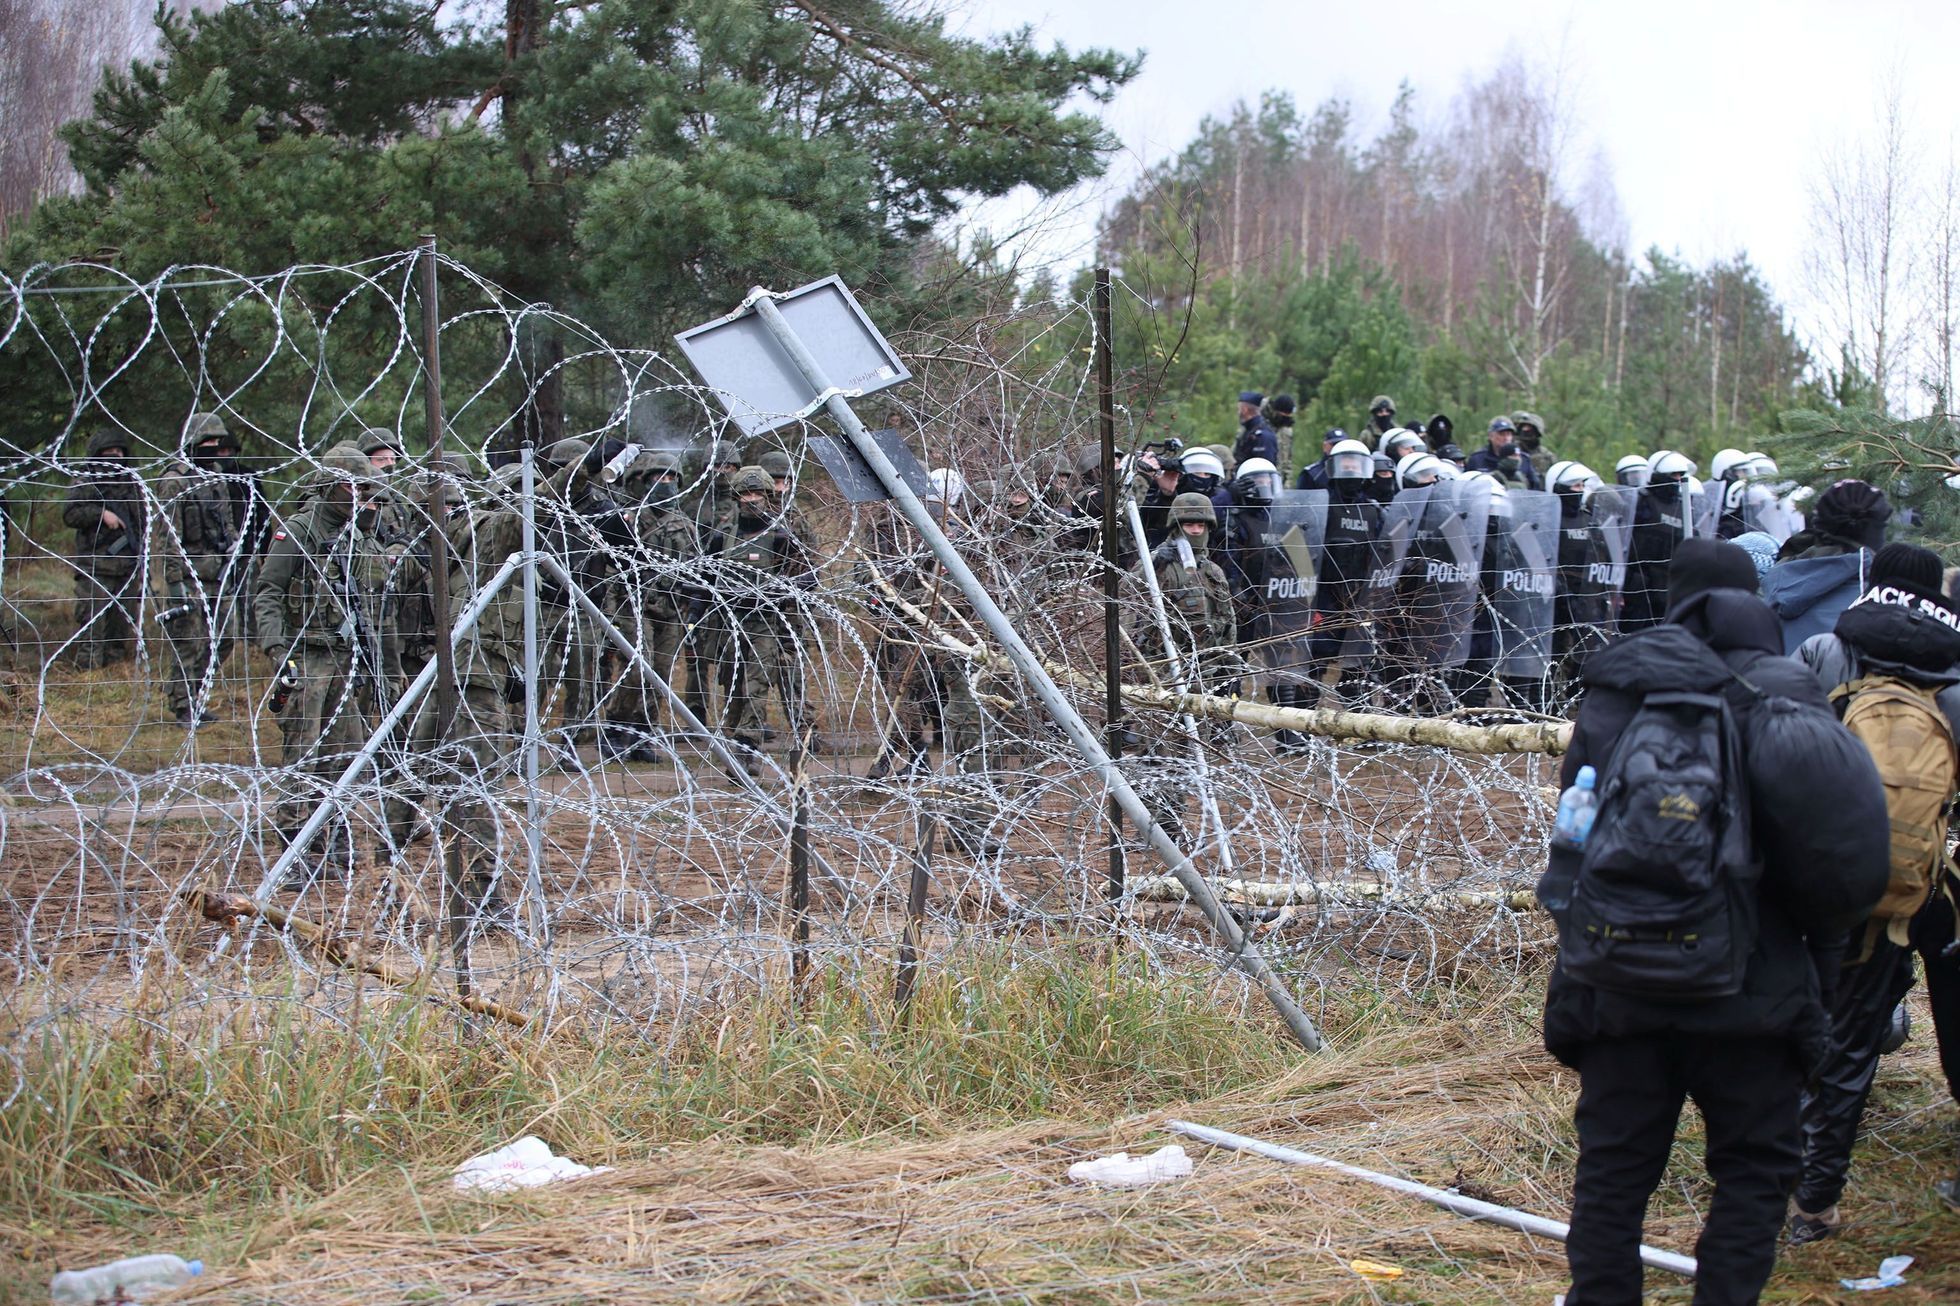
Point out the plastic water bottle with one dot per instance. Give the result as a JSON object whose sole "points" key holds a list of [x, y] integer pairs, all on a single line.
{"points": [[1577, 807], [131, 1279]]}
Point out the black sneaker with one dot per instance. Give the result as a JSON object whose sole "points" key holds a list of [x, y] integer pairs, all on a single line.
{"points": [[1804, 1227]]}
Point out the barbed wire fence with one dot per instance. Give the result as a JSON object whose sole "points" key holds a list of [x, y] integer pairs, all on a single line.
{"points": [[646, 863]]}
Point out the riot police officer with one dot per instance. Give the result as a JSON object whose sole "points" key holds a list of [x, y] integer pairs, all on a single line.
{"points": [[1340, 599], [1663, 518]]}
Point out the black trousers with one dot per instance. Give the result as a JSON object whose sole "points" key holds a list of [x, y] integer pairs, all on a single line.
{"points": [[1933, 936], [1630, 1096], [1861, 1013]]}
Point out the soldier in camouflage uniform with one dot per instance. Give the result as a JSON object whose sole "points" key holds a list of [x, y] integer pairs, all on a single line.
{"points": [[394, 481], [584, 527], [320, 605], [201, 562], [463, 775], [705, 636], [656, 598], [761, 651], [105, 509], [1203, 630]]}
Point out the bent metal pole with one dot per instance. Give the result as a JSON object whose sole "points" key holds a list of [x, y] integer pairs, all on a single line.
{"points": [[1468, 1207], [1025, 661]]}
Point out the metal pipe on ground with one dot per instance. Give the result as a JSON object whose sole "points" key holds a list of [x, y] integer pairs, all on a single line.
{"points": [[1031, 670], [1457, 1203]]}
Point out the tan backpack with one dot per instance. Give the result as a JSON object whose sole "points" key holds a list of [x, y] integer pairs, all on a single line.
{"points": [[1901, 725]]}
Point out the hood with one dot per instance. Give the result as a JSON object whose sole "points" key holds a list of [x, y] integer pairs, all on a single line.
{"points": [[1729, 620], [1660, 657], [1898, 626], [1795, 587]]}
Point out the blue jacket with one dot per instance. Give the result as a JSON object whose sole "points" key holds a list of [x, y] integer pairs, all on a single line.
{"points": [[1257, 439], [1808, 593], [1313, 476]]}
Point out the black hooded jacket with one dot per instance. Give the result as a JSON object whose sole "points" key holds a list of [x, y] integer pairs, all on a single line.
{"points": [[1712, 635]]}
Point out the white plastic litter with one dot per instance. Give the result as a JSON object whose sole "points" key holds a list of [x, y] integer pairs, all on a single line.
{"points": [[1125, 1171], [526, 1163], [135, 1278], [1891, 1273]]}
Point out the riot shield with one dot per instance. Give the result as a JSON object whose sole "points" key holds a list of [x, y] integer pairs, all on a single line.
{"points": [[1287, 580], [1611, 508], [1524, 573], [1433, 602]]}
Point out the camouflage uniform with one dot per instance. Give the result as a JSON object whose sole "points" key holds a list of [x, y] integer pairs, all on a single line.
{"points": [[657, 599], [109, 570], [761, 651], [463, 776], [1203, 629], [202, 569], [706, 635], [319, 602]]}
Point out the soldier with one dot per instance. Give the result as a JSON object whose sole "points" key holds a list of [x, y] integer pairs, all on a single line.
{"points": [[393, 517], [660, 597], [1197, 606], [411, 615], [464, 774], [319, 602], [757, 555], [1531, 438], [105, 509], [200, 565], [705, 635], [782, 474], [1381, 417], [585, 527]]}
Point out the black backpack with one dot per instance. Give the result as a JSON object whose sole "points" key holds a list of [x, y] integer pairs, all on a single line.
{"points": [[1665, 900]]}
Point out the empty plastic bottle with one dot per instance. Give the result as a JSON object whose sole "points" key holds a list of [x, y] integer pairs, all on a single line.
{"points": [[1577, 807], [130, 1279]]}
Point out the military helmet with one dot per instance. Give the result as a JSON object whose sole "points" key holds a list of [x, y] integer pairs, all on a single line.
{"points": [[452, 464], [1088, 462], [1223, 452], [1192, 507], [565, 452], [347, 461], [659, 462], [373, 438], [1523, 418], [723, 453], [106, 439], [202, 426], [1382, 401], [752, 480], [775, 462]]}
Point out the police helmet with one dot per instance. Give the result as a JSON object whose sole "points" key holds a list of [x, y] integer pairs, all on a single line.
{"points": [[1257, 481], [1633, 470], [1421, 469], [1350, 461], [1202, 462], [1760, 465], [1667, 465], [948, 486], [1727, 461], [752, 480], [1500, 494], [1399, 441], [1190, 507]]}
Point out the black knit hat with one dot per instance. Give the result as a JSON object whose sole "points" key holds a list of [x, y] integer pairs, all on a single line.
{"points": [[1702, 564], [1854, 512], [1899, 563]]}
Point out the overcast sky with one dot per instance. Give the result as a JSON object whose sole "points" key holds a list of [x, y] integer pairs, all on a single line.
{"points": [[1710, 114]]}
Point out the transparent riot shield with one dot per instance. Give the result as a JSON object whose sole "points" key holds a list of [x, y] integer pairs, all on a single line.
{"points": [[1524, 577], [1286, 581], [1427, 619], [1611, 508]]}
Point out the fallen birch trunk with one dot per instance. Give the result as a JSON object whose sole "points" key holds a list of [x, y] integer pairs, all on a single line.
{"points": [[1255, 893]]}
